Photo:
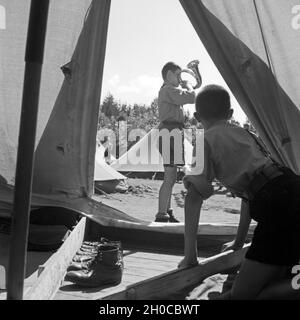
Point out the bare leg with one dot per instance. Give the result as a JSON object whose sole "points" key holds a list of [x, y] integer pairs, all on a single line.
{"points": [[253, 277], [169, 202], [165, 191], [192, 207]]}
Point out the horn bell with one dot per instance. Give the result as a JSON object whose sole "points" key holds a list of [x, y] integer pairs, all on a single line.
{"points": [[193, 70]]}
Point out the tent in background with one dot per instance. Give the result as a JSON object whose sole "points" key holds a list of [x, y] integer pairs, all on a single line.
{"points": [[106, 178]]}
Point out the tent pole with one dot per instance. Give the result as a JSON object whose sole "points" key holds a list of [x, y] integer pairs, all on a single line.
{"points": [[25, 157]]}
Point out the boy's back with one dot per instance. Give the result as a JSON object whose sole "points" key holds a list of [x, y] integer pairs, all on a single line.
{"points": [[235, 155], [231, 155]]}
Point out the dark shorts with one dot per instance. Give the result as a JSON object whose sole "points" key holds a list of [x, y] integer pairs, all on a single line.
{"points": [[171, 147], [276, 208]]}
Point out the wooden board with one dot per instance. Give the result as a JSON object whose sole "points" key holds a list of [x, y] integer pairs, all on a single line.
{"points": [[139, 265], [33, 260], [52, 272], [147, 273], [167, 284]]}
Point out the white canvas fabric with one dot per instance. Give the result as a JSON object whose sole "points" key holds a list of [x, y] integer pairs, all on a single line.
{"points": [[255, 45], [65, 21], [65, 156], [104, 172]]}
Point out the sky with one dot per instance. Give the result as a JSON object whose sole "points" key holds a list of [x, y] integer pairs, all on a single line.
{"points": [[145, 34]]}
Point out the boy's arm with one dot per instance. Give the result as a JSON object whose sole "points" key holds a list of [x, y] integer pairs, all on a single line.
{"points": [[186, 85], [179, 96], [242, 231]]}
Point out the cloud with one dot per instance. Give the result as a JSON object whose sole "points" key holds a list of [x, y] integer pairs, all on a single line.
{"points": [[145, 84], [149, 81], [131, 88], [142, 87], [114, 80]]}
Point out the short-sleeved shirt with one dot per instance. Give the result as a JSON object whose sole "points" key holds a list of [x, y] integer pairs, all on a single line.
{"points": [[170, 103], [231, 156]]}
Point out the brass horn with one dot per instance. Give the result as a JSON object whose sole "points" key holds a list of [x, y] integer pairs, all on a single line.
{"points": [[193, 70]]}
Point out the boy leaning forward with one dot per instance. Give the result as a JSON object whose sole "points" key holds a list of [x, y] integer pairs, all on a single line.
{"points": [[270, 195]]}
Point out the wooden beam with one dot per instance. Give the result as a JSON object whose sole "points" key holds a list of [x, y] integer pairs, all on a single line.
{"points": [[25, 156], [53, 271], [179, 279]]}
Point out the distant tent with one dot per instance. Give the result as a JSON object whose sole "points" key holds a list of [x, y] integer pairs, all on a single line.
{"points": [[106, 152], [144, 156], [106, 178]]}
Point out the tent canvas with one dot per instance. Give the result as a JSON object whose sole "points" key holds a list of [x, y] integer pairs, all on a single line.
{"points": [[65, 22], [255, 46], [104, 172]]}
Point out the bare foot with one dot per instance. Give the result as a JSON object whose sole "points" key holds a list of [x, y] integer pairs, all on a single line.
{"points": [[187, 263]]}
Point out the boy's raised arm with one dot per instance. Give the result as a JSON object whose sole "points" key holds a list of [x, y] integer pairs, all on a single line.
{"points": [[180, 96]]}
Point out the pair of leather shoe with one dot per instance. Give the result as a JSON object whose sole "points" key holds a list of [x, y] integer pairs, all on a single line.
{"points": [[100, 267]]}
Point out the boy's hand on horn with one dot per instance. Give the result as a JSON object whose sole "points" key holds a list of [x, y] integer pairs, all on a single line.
{"points": [[186, 85]]}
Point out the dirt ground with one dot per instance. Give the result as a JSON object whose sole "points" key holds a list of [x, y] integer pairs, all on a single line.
{"points": [[141, 201]]}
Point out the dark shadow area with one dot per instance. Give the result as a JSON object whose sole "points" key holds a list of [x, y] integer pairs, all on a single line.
{"points": [[76, 288]]}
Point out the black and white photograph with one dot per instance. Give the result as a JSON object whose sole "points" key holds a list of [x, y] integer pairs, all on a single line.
{"points": [[149, 153]]}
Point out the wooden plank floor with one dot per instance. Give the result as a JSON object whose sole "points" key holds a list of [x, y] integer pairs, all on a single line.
{"points": [[34, 259], [139, 265]]}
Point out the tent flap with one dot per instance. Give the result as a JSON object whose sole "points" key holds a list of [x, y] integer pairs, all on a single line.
{"points": [[65, 155], [64, 25], [253, 45]]}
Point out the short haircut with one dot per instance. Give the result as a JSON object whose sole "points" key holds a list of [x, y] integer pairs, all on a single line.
{"points": [[213, 102], [169, 66]]}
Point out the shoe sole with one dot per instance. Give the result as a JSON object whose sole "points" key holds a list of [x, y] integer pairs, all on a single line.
{"points": [[91, 284], [162, 220]]}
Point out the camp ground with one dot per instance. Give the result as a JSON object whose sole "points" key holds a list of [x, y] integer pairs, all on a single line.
{"points": [[255, 46]]}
